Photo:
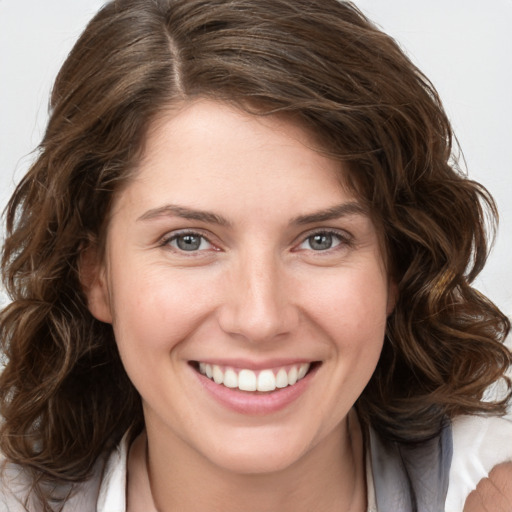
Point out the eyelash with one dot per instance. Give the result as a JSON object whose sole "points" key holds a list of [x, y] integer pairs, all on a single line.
{"points": [[344, 240], [167, 239]]}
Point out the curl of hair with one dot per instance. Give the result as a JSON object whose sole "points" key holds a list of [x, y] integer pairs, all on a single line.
{"points": [[64, 396]]}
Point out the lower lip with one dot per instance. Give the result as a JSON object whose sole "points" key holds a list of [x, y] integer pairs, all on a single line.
{"points": [[253, 403]]}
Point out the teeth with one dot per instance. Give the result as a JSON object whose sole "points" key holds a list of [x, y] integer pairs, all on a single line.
{"points": [[302, 371], [281, 378], [292, 376], [218, 376], [230, 379], [248, 380], [266, 381]]}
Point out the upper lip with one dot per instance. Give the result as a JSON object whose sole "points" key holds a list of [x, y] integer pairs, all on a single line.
{"points": [[251, 364]]}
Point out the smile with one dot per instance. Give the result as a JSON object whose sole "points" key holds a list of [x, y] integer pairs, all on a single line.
{"points": [[266, 380]]}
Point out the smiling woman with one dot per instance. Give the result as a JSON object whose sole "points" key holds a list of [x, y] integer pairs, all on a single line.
{"points": [[233, 283], [252, 299]]}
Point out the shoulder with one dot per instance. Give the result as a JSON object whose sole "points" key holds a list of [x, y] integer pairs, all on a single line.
{"points": [[479, 445]]}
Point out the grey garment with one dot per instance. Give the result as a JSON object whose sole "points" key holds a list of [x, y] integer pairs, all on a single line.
{"points": [[16, 491], [411, 477], [407, 478]]}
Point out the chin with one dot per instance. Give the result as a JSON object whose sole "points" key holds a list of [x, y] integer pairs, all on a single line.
{"points": [[256, 464], [262, 455]]}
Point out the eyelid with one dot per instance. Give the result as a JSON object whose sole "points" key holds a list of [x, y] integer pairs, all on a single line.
{"points": [[346, 239], [165, 240]]}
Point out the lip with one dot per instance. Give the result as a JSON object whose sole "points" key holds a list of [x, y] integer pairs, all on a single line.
{"points": [[269, 364], [251, 402]]}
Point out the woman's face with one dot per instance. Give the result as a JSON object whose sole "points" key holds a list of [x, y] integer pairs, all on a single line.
{"points": [[235, 259]]}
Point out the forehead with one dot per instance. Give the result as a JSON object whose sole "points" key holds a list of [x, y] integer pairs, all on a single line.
{"points": [[207, 143], [218, 122]]}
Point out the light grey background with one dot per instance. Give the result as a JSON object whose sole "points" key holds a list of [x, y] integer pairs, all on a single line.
{"points": [[462, 45]]}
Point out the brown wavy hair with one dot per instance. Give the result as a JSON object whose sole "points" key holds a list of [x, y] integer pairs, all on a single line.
{"points": [[64, 395]]}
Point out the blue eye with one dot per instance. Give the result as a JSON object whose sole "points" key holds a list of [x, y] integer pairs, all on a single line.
{"points": [[189, 242]]}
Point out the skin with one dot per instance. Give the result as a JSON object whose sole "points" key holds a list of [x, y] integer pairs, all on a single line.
{"points": [[255, 290], [494, 493]]}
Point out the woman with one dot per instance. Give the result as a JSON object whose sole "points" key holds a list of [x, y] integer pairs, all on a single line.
{"points": [[233, 282]]}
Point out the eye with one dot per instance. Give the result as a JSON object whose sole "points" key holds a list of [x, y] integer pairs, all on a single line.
{"points": [[323, 241], [188, 242]]}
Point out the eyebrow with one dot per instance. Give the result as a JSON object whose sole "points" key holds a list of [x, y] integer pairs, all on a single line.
{"points": [[185, 213], [335, 212]]}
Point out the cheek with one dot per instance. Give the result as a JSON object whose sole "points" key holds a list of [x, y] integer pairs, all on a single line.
{"points": [[351, 304], [152, 316], [154, 310], [351, 312]]}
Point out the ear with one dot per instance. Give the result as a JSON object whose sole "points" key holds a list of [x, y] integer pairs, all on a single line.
{"points": [[93, 279]]}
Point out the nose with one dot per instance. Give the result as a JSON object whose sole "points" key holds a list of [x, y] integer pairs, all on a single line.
{"points": [[258, 303]]}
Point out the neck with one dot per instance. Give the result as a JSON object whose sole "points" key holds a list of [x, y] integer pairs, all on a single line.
{"points": [[329, 477]]}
